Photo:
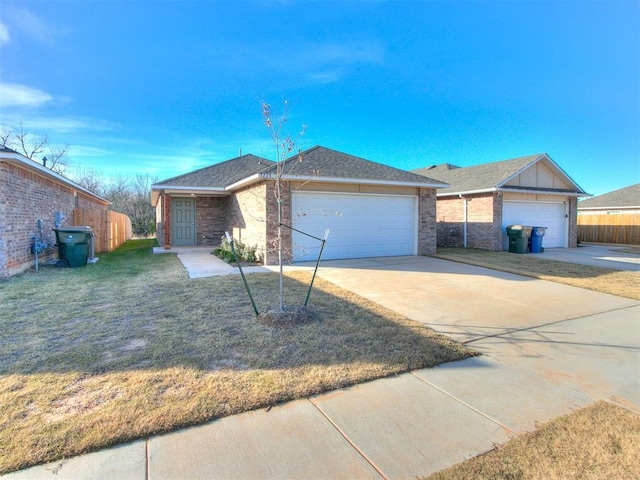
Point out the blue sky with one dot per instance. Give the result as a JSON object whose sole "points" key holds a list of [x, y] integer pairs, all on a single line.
{"points": [[164, 87]]}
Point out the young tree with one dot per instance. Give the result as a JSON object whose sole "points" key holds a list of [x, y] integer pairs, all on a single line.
{"points": [[283, 145]]}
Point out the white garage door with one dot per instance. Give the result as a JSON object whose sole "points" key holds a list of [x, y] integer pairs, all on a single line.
{"points": [[360, 225], [537, 214]]}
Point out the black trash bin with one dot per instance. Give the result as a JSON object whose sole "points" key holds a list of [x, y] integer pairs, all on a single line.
{"points": [[536, 239], [73, 245], [518, 238]]}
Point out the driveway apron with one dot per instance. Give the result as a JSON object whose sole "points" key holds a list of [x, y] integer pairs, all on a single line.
{"points": [[585, 340]]}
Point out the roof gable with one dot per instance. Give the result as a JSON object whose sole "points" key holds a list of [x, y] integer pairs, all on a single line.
{"points": [[220, 174], [533, 172], [622, 198]]}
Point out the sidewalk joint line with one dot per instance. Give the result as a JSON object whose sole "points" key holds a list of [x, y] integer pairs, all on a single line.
{"points": [[555, 322], [353, 445], [147, 463], [459, 400]]}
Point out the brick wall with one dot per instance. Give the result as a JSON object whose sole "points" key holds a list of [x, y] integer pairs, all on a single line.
{"points": [[211, 219], [271, 257], [26, 197], [573, 222], [246, 217], [427, 234], [484, 214]]}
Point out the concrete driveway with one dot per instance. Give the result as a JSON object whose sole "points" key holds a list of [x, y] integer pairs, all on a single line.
{"points": [[585, 340], [606, 256]]}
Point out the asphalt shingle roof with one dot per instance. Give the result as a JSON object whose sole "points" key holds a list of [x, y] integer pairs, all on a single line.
{"points": [[324, 162], [221, 174], [623, 197], [480, 177]]}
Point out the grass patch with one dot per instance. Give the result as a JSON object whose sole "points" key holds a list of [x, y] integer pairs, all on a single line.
{"points": [[605, 280], [130, 347], [596, 442]]}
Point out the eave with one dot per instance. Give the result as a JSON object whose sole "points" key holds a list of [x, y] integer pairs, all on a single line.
{"points": [[34, 167]]}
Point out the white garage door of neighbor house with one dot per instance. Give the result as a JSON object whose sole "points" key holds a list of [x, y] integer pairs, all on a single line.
{"points": [[360, 225], [537, 214]]}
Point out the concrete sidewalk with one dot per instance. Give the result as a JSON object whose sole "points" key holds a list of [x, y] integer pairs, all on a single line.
{"points": [[547, 349]]}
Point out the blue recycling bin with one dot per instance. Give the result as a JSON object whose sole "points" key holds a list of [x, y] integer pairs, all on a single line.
{"points": [[536, 239]]}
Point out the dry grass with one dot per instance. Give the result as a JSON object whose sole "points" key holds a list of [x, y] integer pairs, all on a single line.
{"points": [[605, 280], [597, 442], [130, 347]]}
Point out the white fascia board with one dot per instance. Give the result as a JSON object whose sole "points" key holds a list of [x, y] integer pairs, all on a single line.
{"points": [[183, 189], [244, 182], [554, 166], [543, 192], [320, 179], [465, 192], [518, 172], [157, 190], [21, 160]]}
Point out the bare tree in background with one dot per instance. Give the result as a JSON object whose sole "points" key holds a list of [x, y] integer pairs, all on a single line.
{"points": [[37, 148], [127, 195]]}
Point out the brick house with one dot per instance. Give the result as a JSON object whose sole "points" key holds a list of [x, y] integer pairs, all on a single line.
{"points": [[30, 192], [370, 209], [482, 200]]}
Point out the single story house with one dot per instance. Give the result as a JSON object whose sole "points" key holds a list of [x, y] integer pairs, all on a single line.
{"points": [[30, 192], [623, 201], [370, 209], [483, 200]]}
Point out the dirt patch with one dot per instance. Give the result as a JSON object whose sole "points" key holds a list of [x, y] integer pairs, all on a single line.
{"points": [[289, 317], [84, 397]]}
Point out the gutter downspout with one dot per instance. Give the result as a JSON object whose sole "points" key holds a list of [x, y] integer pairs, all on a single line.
{"points": [[465, 219]]}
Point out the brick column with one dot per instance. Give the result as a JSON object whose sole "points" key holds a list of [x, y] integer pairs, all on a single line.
{"points": [[166, 205]]}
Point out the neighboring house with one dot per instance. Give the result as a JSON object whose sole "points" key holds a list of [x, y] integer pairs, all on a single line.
{"points": [[30, 192], [370, 209], [623, 201], [484, 199], [612, 217]]}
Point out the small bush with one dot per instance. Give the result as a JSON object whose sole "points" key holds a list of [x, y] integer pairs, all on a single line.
{"points": [[245, 252]]}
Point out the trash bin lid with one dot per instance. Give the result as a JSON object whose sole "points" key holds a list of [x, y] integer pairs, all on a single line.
{"points": [[76, 229]]}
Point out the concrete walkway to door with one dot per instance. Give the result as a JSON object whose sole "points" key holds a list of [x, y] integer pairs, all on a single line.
{"points": [[548, 349]]}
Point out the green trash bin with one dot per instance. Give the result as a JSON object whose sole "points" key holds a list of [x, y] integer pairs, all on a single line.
{"points": [[73, 245], [518, 238]]}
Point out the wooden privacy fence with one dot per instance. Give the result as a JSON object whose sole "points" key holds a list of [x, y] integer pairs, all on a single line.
{"points": [[110, 229], [613, 228]]}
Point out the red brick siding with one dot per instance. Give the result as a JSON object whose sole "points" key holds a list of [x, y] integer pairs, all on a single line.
{"points": [[26, 197], [247, 218], [211, 219], [427, 221], [484, 214]]}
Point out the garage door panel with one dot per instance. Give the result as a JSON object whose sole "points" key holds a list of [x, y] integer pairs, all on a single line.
{"points": [[538, 214], [360, 225]]}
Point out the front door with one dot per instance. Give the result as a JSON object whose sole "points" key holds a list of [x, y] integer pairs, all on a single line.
{"points": [[183, 221]]}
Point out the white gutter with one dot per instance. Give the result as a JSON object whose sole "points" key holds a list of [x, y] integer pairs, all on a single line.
{"points": [[465, 219], [513, 190], [313, 178], [23, 161]]}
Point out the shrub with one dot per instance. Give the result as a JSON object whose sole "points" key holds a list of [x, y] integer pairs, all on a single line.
{"points": [[245, 252]]}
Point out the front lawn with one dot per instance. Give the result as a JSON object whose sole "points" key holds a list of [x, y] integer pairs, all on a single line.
{"points": [[596, 442], [130, 347], [605, 280]]}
